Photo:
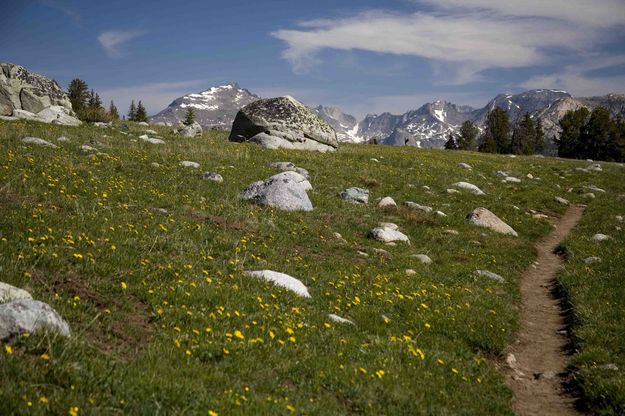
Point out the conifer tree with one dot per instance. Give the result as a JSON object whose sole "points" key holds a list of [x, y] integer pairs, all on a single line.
{"points": [[141, 114], [495, 137], [539, 137], [189, 117], [113, 112], [132, 111], [572, 124], [524, 137], [78, 93], [452, 142], [468, 134]]}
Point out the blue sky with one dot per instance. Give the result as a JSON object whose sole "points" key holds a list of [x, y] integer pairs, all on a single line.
{"points": [[363, 56]]}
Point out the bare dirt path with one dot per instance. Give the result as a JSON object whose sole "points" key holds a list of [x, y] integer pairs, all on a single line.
{"points": [[537, 359]]}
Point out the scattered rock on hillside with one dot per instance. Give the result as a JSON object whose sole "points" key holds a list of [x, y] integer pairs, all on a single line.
{"points": [[152, 132], [63, 139], [285, 192], [86, 148], [189, 164], [39, 142], [619, 218], [356, 195], [588, 195], [283, 122], [591, 260], [593, 188], [418, 207], [29, 316], [387, 202], [142, 123], [192, 130], [152, 140], [600, 237], [502, 173], [452, 191], [288, 166], [294, 176], [484, 218], [595, 167], [464, 165], [529, 176], [423, 258], [469, 187], [440, 214], [410, 272], [560, 200], [338, 319], [451, 232], [388, 232], [10, 293], [282, 280], [511, 179], [212, 176], [155, 165], [490, 275]]}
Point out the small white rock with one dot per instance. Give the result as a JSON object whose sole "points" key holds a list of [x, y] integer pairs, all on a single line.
{"points": [[464, 165], [387, 202], [282, 280], [600, 237], [410, 272], [423, 258], [189, 164], [560, 200], [338, 319], [39, 142]]}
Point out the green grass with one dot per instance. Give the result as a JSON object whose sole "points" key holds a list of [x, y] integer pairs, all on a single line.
{"points": [[155, 301]]}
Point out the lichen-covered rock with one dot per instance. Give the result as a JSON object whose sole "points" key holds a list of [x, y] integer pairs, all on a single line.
{"points": [[284, 191], [484, 218], [283, 122], [356, 195], [21, 89], [29, 316]]}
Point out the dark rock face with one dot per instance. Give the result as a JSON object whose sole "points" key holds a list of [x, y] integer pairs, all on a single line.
{"points": [[21, 89], [285, 119], [215, 107]]}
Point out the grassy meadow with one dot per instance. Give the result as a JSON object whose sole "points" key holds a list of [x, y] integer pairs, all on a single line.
{"points": [[164, 321]]}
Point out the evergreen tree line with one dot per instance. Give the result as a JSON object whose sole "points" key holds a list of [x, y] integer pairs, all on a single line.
{"points": [[88, 106], [527, 136], [592, 135]]}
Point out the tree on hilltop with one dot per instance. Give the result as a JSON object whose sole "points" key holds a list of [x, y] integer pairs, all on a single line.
{"points": [[524, 137], [495, 137], [468, 134], [113, 112], [132, 111], [78, 93], [141, 114]]}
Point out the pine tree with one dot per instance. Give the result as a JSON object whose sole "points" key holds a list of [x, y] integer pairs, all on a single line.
{"points": [[569, 141], [91, 103], [539, 138], [495, 137], [78, 92], [132, 111], [452, 142], [189, 117], [141, 114], [468, 134], [97, 102], [596, 136], [524, 137], [113, 111]]}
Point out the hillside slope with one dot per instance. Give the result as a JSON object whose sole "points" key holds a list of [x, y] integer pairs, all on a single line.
{"points": [[146, 262]]}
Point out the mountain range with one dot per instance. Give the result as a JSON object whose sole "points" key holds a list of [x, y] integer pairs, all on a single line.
{"points": [[428, 126]]}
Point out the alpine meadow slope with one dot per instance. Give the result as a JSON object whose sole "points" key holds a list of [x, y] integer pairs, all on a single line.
{"points": [[147, 263]]}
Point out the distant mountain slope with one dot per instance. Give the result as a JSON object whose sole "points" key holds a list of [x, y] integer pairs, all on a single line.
{"points": [[215, 107], [345, 125]]}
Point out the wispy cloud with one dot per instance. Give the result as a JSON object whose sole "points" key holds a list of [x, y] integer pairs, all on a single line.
{"points": [[70, 12], [113, 41], [468, 36], [155, 96]]}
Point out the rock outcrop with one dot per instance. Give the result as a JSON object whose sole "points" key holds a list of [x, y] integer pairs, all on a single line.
{"points": [[26, 95], [283, 122]]}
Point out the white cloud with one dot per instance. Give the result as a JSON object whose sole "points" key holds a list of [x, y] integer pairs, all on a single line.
{"points": [[470, 36], [155, 96], [113, 40]]}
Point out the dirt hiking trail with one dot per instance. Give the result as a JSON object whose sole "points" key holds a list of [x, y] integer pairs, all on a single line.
{"points": [[537, 359]]}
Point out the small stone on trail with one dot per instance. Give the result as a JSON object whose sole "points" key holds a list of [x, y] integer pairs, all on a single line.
{"points": [[560, 200], [600, 237], [356, 195], [39, 142], [547, 375], [189, 164], [469, 187], [282, 280], [212, 176], [490, 275], [338, 319], [484, 218], [387, 202], [10, 293]]}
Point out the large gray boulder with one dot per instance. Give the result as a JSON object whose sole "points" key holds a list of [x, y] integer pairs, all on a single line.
{"points": [[29, 316], [356, 195], [10, 293], [283, 122], [192, 130], [484, 218], [21, 89], [286, 191]]}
